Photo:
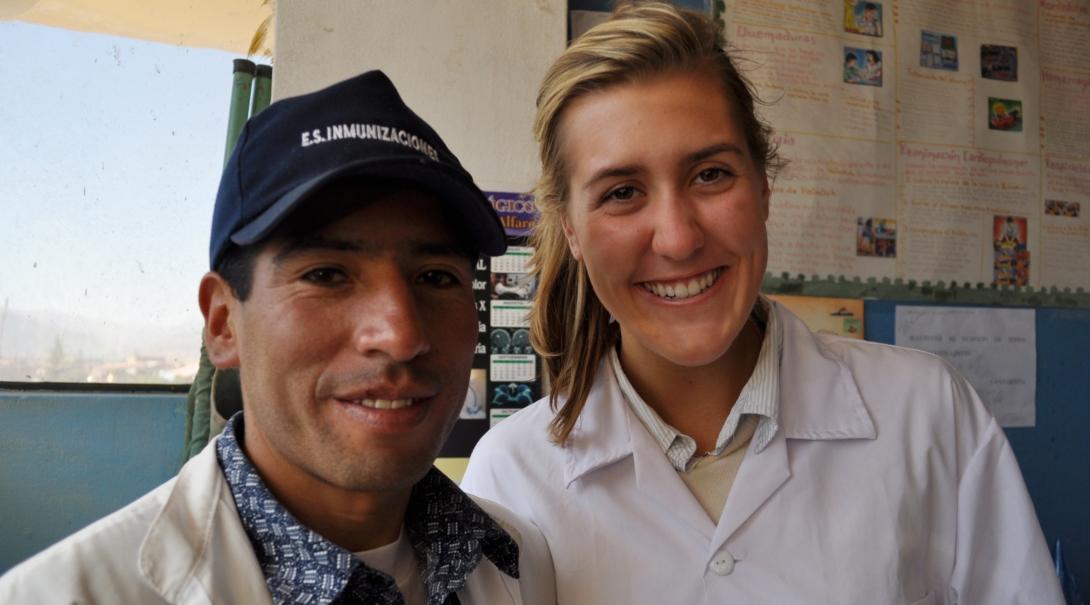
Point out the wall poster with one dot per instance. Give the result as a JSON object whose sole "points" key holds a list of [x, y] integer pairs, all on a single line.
{"points": [[506, 372], [927, 139]]}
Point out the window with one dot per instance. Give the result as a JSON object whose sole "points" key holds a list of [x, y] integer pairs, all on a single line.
{"points": [[110, 156]]}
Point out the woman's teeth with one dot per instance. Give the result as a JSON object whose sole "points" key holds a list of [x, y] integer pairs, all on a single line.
{"points": [[677, 290]]}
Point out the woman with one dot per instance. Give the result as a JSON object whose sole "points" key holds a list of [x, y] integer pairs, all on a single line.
{"points": [[700, 444]]}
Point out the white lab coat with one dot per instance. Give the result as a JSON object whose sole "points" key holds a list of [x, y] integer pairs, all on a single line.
{"points": [[888, 482], [183, 543]]}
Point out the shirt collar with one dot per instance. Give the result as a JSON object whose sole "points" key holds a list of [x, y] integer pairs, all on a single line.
{"points": [[759, 396], [449, 534], [818, 395]]}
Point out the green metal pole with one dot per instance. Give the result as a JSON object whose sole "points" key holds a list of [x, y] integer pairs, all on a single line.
{"points": [[240, 103], [198, 407], [262, 89]]}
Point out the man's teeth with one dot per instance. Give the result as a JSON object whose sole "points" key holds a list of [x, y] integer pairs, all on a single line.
{"points": [[385, 404], [678, 290]]}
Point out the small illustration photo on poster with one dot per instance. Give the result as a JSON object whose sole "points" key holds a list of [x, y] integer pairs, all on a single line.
{"points": [[1004, 114], [510, 341], [1011, 256], [938, 51], [862, 66], [475, 406], [999, 62], [876, 237], [1062, 208], [512, 286], [862, 17], [512, 394]]}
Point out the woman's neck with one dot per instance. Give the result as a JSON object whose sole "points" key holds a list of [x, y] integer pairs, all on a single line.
{"points": [[695, 400]]}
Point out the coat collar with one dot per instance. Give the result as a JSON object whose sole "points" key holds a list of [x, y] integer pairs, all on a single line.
{"points": [[819, 400], [195, 551], [198, 551], [819, 397]]}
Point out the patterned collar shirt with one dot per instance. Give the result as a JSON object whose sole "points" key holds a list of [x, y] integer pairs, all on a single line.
{"points": [[760, 397], [448, 532]]}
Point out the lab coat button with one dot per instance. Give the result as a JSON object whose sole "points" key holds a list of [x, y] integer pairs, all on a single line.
{"points": [[723, 563]]}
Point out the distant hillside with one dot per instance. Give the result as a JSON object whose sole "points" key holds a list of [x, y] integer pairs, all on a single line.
{"points": [[31, 335]]}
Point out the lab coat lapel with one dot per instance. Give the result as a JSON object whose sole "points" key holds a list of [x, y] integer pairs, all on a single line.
{"points": [[819, 400], [658, 481], [761, 474], [608, 431], [601, 434]]}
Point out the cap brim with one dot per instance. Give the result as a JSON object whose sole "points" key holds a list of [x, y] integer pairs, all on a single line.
{"points": [[455, 190]]}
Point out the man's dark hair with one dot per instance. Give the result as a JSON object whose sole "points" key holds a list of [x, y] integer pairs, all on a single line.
{"points": [[237, 269]]}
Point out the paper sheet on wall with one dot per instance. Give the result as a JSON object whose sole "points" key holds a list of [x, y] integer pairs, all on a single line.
{"points": [[996, 349], [926, 139]]}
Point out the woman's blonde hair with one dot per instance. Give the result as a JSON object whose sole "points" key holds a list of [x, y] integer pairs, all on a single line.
{"points": [[568, 324]]}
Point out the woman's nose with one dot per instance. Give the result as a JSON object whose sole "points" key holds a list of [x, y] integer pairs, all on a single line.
{"points": [[677, 229]]}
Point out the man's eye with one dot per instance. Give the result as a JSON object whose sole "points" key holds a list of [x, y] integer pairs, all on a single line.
{"points": [[325, 276], [438, 278]]}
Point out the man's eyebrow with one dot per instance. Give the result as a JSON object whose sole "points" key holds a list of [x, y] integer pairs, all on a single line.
{"points": [[441, 249], [311, 243]]}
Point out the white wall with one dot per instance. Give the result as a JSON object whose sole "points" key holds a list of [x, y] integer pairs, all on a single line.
{"points": [[471, 68]]}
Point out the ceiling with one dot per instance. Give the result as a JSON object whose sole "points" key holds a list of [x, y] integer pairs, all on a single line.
{"points": [[228, 25]]}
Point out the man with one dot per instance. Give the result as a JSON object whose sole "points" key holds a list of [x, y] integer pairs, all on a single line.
{"points": [[343, 244]]}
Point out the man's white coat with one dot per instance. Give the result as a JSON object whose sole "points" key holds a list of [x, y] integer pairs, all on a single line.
{"points": [[183, 543]]}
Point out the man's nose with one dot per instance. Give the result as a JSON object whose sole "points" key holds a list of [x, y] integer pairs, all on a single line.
{"points": [[389, 322], [677, 229]]}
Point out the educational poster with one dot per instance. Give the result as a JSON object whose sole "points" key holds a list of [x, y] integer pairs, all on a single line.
{"points": [[513, 369], [506, 373], [995, 349], [926, 139], [837, 316]]}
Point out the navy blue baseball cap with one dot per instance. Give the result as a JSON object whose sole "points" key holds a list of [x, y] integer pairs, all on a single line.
{"points": [[359, 128]]}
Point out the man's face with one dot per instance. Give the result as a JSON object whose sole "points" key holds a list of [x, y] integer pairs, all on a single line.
{"points": [[356, 344]]}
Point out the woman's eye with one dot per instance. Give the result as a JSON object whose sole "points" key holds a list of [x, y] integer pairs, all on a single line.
{"points": [[621, 194], [711, 175], [438, 278], [325, 276]]}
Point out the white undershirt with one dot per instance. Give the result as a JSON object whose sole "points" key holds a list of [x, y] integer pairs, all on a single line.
{"points": [[397, 560]]}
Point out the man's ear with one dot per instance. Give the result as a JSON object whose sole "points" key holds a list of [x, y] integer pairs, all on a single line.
{"points": [[573, 239], [220, 309]]}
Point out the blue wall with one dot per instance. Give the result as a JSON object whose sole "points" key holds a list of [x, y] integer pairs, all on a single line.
{"points": [[67, 459]]}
